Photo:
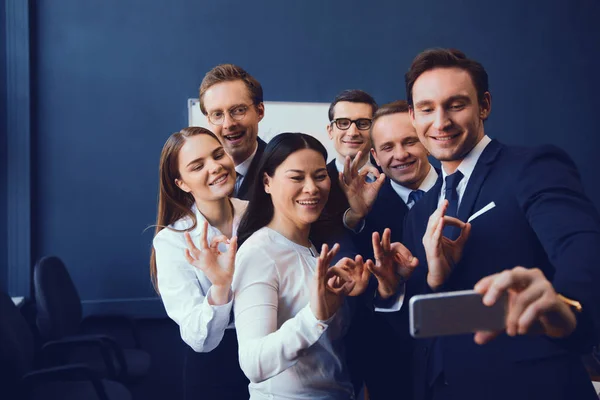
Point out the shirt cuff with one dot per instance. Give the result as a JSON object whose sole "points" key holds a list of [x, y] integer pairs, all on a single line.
{"points": [[312, 327], [359, 227], [392, 304], [216, 311]]}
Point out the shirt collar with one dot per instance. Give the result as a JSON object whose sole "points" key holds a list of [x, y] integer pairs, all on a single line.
{"points": [[245, 166], [468, 163], [427, 184]]}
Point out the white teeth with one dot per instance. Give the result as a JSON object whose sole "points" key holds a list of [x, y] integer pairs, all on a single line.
{"points": [[234, 136], [222, 179], [444, 139], [308, 203], [403, 166]]}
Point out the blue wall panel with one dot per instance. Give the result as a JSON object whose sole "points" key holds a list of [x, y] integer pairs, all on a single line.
{"points": [[3, 255], [112, 79]]}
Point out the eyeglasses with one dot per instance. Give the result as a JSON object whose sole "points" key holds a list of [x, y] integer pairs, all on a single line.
{"points": [[345, 123], [236, 113]]}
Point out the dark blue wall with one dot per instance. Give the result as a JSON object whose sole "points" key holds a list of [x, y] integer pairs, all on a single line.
{"points": [[112, 79], [3, 255]]}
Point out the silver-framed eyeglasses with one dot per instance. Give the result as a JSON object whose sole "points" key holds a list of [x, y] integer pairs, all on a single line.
{"points": [[236, 113], [345, 123]]}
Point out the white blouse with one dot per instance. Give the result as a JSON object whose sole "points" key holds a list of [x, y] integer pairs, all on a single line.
{"points": [[185, 290], [284, 350]]}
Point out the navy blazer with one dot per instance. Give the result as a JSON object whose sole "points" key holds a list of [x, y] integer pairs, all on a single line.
{"points": [[247, 183], [388, 211], [541, 219]]}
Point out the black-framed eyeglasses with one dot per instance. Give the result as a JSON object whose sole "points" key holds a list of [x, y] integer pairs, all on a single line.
{"points": [[345, 123], [236, 113]]}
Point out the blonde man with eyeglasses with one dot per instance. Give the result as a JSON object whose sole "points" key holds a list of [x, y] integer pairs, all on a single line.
{"points": [[232, 101]]}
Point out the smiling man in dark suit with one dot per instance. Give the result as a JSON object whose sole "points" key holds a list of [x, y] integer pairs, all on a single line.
{"points": [[403, 159], [350, 116], [532, 233], [232, 101]]}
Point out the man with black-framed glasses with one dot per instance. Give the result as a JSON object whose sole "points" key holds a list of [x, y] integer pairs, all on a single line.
{"points": [[232, 101]]}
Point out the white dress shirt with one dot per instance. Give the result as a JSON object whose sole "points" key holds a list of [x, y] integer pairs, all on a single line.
{"points": [[466, 167], [340, 165], [185, 290], [241, 170], [284, 350], [405, 192]]}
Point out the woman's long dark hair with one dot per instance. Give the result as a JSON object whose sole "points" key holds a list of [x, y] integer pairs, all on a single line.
{"points": [[260, 207]]}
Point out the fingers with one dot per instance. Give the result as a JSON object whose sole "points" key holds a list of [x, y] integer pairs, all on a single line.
{"points": [[189, 257], [332, 253], [188, 241], [231, 251], [214, 243], [377, 249], [369, 169], [322, 263], [517, 278], [385, 239], [403, 256], [355, 161], [437, 214], [464, 235], [204, 235], [539, 305], [483, 337], [193, 261], [451, 221]]}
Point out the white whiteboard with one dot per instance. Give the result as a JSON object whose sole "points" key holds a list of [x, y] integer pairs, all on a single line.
{"points": [[281, 117]]}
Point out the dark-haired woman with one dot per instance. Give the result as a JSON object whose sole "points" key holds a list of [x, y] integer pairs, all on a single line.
{"points": [[289, 307], [193, 256]]}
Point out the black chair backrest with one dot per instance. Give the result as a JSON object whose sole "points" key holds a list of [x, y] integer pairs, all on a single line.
{"points": [[17, 345], [58, 303]]}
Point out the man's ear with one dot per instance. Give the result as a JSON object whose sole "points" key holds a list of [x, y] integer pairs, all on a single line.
{"points": [[329, 129], [411, 113], [374, 154], [485, 107], [182, 185], [260, 109]]}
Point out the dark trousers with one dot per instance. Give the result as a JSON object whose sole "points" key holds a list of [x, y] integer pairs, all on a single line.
{"points": [[215, 375]]}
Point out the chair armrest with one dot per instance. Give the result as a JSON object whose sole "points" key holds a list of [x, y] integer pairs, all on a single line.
{"points": [[123, 320], [72, 372], [107, 346]]}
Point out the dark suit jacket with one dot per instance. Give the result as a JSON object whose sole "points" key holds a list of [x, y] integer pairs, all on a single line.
{"points": [[380, 357], [388, 211], [541, 219], [247, 183]]}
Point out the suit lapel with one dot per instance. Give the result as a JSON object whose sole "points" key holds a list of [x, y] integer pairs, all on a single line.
{"points": [[250, 176], [337, 198], [482, 168], [432, 196]]}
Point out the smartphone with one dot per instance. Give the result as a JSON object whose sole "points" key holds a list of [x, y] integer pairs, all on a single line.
{"points": [[453, 313]]}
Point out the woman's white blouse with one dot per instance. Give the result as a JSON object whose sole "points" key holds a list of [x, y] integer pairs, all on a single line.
{"points": [[284, 350], [185, 290]]}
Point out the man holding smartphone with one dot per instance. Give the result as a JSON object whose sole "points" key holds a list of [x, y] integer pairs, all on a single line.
{"points": [[532, 234]]}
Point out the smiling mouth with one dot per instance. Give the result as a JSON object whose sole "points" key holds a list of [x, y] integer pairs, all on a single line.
{"points": [[309, 203], [219, 180], [404, 166], [353, 142], [444, 138], [234, 136]]}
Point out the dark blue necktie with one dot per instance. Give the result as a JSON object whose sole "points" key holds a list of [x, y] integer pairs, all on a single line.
{"points": [[451, 195], [415, 196]]}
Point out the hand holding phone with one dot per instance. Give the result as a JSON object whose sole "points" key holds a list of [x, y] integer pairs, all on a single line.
{"points": [[453, 313]]}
